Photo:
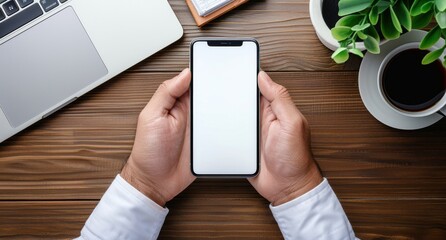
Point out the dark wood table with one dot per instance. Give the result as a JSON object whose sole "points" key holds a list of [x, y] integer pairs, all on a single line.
{"points": [[392, 183]]}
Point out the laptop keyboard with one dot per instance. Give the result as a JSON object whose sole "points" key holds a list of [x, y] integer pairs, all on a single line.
{"points": [[16, 13]]}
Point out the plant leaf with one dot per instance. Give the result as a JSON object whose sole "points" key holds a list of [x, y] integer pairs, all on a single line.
{"points": [[358, 27], [395, 21], [357, 52], [441, 19], [403, 15], [341, 33], [441, 5], [372, 45], [387, 28], [432, 56], [421, 21], [373, 15], [361, 35], [427, 7], [383, 3], [340, 55], [416, 8], [372, 32], [347, 7], [431, 38], [382, 6], [350, 20]]}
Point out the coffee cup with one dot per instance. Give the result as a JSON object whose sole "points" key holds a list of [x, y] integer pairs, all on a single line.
{"points": [[410, 88]]}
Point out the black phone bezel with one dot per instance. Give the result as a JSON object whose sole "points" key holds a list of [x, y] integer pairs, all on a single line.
{"points": [[224, 42]]}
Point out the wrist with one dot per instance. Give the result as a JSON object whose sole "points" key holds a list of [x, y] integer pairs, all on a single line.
{"points": [[305, 184], [131, 174]]}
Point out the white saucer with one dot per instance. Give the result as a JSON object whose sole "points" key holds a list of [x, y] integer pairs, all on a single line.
{"points": [[369, 91]]}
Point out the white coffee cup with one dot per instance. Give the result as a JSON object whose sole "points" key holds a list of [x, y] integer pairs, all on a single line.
{"points": [[438, 107]]}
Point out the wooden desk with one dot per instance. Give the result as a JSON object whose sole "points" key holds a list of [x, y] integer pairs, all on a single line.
{"points": [[392, 184]]}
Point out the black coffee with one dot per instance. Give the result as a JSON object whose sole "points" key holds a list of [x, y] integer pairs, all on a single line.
{"points": [[411, 86], [330, 11]]}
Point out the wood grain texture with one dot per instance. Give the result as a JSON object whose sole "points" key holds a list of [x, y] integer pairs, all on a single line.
{"points": [[392, 183], [226, 217], [282, 27]]}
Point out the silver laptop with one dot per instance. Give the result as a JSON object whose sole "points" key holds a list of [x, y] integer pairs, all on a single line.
{"points": [[53, 51]]}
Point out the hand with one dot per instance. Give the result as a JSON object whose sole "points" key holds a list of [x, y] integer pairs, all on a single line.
{"points": [[159, 164], [287, 169]]}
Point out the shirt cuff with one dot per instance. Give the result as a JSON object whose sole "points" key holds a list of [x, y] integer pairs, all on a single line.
{"points": [[317, 214], [124, 213]]}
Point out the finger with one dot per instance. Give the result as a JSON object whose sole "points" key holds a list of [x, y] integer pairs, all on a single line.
{"points": [[263, 104], [266, 113], [169, 91], [180, 110], [266, 118], [279, 98], [184, 163]]}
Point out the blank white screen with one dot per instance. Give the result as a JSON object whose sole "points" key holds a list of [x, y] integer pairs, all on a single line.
{"points": [[224, 109]]}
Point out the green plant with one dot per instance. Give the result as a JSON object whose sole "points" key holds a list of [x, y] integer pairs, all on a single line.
{"points": [[362, 20]]}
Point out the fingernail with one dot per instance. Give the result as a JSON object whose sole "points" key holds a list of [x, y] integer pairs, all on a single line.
{"points": [[184, 72], [266, 77]]}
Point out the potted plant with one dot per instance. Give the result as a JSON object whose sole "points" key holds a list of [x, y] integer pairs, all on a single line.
{"points": [[324, 15], [369, 21]]}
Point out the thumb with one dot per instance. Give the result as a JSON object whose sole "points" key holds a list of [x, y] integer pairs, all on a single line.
{"points": [[169, 91], [279, 98]]}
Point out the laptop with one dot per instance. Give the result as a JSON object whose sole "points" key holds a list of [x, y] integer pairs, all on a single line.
{"points": [[54, 51]]}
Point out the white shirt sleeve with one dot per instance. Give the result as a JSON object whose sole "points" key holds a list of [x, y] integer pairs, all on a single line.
{"points": [[124, 213], [318, 214]]}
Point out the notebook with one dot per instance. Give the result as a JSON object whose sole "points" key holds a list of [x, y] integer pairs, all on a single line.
{"points": [[201, 21]]}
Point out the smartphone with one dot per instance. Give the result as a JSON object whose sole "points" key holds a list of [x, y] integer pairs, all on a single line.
{"points": [[224, 97]]}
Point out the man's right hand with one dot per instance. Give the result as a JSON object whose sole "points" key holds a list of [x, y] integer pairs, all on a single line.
{"points": [[287, 168]]}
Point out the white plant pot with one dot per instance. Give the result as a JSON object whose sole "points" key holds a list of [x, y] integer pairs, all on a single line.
{"points": [[322, 30]]}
